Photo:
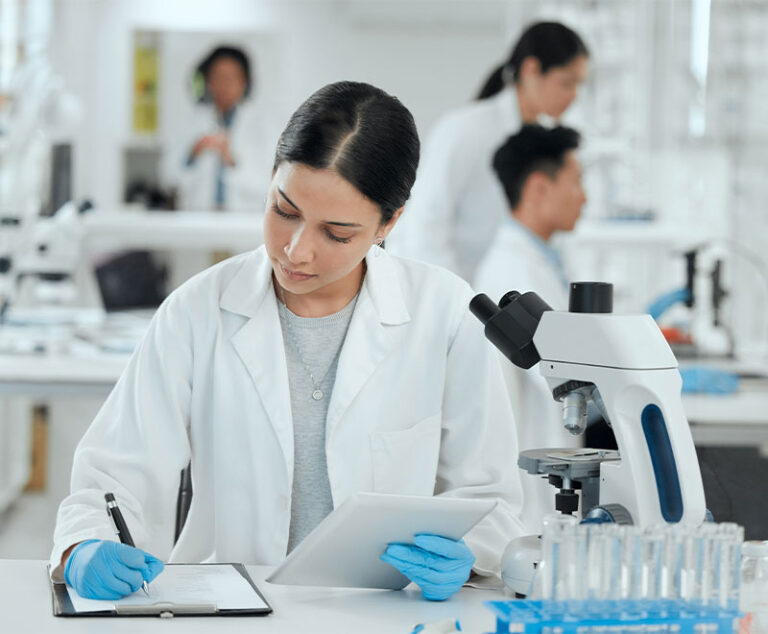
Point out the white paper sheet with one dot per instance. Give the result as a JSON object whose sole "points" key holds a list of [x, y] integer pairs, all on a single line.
{"points": [[220, 585]]}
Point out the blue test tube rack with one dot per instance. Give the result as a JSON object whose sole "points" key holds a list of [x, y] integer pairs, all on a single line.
{"points": [[581, 617]]}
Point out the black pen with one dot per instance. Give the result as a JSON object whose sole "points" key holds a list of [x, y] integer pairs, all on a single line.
{"points": [[121, 527]]}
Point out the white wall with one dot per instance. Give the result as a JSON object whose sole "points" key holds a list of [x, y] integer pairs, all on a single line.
{"points": [[432, 54]]}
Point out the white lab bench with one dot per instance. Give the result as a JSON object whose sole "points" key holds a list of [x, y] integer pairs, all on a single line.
{"points": [[72, 390], [186, 239], [57, 375], [739, 419], [72, 376], [172, 230], [83, 357], [25, 606]]}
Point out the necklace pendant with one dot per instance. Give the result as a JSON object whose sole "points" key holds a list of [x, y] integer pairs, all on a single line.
{"points": [[317, 395]]}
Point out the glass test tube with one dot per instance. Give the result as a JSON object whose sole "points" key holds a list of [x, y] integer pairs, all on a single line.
{"points": [[554, 560]]}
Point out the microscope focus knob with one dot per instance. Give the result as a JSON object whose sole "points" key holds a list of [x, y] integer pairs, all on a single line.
{"points": [[567, 501], [608, 513]]}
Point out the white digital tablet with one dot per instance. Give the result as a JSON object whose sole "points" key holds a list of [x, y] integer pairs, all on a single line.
{"points": [[344, 549]]}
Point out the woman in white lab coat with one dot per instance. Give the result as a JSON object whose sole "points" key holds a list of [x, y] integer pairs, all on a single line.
{"points": [[457, 203], [223, 379], [229, 158], [541, 177]]}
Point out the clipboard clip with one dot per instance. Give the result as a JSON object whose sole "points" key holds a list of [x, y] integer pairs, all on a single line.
{"points": [[166, 610]]}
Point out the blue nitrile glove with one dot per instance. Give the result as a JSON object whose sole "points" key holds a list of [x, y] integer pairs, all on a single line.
{"points": [[438, 565], [109, 570], [704, 380]]}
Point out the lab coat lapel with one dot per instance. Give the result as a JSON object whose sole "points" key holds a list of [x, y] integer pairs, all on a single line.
{"points": [[259, 344], [371, 335]]}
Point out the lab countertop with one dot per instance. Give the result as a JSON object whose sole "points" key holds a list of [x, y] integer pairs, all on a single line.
{"points": [[60, 374], [140, 229], [738, 419], [74, 358], [25, 606]]}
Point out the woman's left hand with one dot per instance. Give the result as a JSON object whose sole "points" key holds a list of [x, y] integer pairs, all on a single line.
{"points": [[438, 565]]}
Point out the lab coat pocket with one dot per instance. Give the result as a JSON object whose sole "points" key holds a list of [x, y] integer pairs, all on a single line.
{"points": [[405, 461]]}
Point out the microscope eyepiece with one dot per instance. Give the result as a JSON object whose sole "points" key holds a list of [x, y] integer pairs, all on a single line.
{"points": [[483, 307], [510, 325], [508, 298], [590, 297]]}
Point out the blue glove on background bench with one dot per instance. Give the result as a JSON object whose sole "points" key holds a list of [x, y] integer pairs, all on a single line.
{"points": [[704, 380]]}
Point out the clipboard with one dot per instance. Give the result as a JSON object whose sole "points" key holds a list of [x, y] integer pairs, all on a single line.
{"points": [[62, 604]]}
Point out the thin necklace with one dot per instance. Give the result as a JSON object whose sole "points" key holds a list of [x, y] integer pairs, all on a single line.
{"points": [[317, 393]]}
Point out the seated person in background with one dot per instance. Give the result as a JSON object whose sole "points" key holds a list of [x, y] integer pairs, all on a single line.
{"points": [[541, 176], [294, 375]]}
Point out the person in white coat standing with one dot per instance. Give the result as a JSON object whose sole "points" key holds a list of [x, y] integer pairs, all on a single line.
{"points": [[295, 375], [457, 203], [229, 158], [541, 176]]}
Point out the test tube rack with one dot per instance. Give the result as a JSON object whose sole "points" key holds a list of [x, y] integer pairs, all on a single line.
{"points": [[613, 616]]}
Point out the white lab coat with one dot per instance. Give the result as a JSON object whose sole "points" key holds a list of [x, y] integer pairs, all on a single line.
{"points": [[252, 147], [418, 407], [517, 260], [458, 203]]}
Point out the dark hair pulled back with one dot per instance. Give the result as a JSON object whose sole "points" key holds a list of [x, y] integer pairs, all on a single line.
{"points": [[361, 132], [552, 43]]}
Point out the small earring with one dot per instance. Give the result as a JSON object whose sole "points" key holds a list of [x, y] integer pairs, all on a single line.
{"points": [[379, 241]]}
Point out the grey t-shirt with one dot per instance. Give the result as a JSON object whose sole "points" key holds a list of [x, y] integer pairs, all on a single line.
{"points": [[315, 342]]}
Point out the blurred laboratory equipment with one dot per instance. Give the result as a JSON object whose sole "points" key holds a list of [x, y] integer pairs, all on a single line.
{"points": [[699, 319], [37, 113], [754, 587], [47, 278], [704, 332], [9, 229], [617, 578], [624, 366], [37, 120]]}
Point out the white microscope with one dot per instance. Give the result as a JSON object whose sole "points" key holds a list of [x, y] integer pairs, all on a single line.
{"points": [[622, 364], [42, 267]]}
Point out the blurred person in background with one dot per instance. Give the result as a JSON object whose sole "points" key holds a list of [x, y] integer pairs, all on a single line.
{"points": [[458, 203], [229, 156], [541, 177]]}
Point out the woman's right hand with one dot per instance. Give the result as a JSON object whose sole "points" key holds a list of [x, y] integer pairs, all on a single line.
{"points": [[108, 570]]}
